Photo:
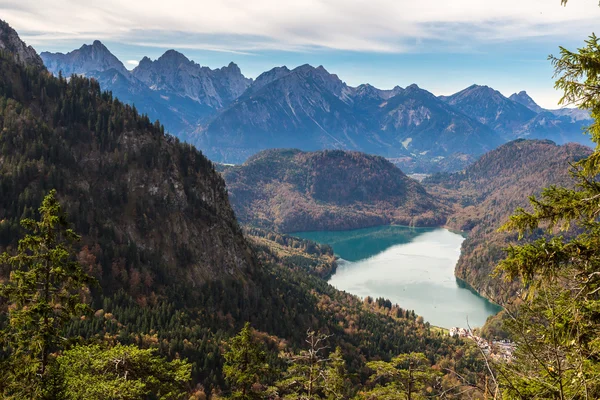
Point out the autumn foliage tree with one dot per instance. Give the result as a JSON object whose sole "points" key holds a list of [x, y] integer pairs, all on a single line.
{"points": [[46, 289]]}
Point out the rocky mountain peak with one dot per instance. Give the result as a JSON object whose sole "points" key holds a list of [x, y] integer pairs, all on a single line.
{"points": [[173, 57], [414, 91], [233, 67], [84, 61], [367, 91], [323, 78], [304, 69], [176, 74], [482, 91], [267, 77], [413, 88], [523, 98], [491, 108], [12, 43], [396, 90], [170, 61]]}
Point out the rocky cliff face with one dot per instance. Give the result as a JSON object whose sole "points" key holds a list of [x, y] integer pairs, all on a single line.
{"points": [[87, 60], [21, 53], [175, 73]]}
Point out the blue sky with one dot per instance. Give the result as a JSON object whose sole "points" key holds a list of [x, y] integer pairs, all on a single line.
{"points": [[442, 46]]}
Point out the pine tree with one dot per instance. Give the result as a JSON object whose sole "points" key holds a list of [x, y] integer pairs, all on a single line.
{"points": [[557, 326], [311, 375], [406, 376], [245, 365], [334, 376], [44, 292], [121, 372]]}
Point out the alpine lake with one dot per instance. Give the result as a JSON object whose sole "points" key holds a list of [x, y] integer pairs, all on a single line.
{"points": [[413, 267]]}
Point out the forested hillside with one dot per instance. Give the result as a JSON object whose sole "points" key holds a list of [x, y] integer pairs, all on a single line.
{"points": [[291, 190], [489, 191], [118, 176]]}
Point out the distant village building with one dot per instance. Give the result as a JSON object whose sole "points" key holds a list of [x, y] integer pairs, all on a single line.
{"points": [[499, 350], [460, 332]]}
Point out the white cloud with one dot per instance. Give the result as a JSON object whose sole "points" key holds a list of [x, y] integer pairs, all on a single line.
{"points": [[300, 25], [132, 63]]}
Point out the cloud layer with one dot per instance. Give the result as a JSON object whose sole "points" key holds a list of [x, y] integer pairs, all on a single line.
{"points": [[386, 26]]}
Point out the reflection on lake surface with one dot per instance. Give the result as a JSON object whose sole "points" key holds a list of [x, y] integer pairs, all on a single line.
{"points": [[413, 267]]}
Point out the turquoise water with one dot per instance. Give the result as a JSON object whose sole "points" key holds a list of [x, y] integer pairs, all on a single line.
{"points": [[413, 267]]}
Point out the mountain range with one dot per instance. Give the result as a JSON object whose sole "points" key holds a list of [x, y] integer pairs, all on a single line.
{"points": [[230, 117]]}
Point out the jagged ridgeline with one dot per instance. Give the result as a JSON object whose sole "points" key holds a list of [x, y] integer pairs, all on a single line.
{"points": [[175, 270], [231, 117]]}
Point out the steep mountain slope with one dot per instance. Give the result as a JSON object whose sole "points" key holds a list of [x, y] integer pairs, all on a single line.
{"points": [[308, 108], [12, 44], [291, 190], [118, 176], [524, 99], [489, 191], [179, 113], [491, 108]]}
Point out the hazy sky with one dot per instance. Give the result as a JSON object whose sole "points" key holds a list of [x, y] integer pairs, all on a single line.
{"points": [[441, 45]]}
